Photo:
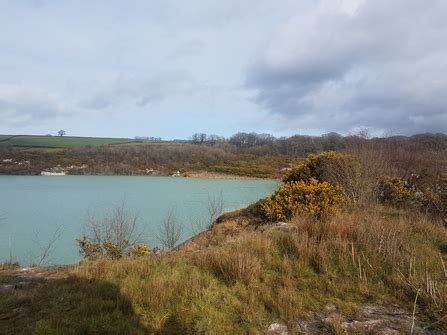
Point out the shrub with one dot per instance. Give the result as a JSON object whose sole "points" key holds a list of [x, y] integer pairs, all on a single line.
{"points": [[319, 199], [332, 167], [426, 193], [140, 250], [112, 236], [89, 249], [108, 249], [113, 250], [394, 191], [430, 192]]}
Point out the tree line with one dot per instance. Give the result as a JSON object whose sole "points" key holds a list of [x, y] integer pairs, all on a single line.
{"points": [[305, 144]]}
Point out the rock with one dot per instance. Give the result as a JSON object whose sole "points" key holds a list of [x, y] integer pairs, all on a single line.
{"points": [[277, 329], [311, 327], [330, 308], [370, 319], [369, 327]]}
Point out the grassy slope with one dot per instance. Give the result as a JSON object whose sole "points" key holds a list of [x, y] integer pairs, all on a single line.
{"points": [[238, 279], [60, 142]]}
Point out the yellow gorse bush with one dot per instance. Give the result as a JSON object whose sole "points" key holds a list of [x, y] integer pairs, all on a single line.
{"points": [[335, 168], [93, 250], [139, 250], [393, 191], [316, 198]]}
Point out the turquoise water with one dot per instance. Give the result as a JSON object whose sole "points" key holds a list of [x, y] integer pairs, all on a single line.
{"points": [[32, 208]]}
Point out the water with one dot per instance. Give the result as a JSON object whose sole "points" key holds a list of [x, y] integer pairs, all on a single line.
{"points": [[33, 208]]}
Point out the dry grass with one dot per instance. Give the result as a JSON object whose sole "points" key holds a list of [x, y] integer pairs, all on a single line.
{"points": [[369, 255], [372, 254]]}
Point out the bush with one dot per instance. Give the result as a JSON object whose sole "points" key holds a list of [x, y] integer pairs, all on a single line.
{"points": [[113, 236], [319, 199], [140, 250], [430, 192], [426, 193], [92, 250], [394, 191], [89, 249], [332, 167]]}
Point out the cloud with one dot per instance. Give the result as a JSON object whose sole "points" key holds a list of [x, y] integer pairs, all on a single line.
{"points": [[314, 66], [190, 48], [376, 64], [141, 91], [20, 105]]}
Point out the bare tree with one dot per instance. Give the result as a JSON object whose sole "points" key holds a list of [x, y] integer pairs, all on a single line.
{"points": [[170, 231], [112, 235], [119, 226], [47, 249], [61, 132], [214, 208]]}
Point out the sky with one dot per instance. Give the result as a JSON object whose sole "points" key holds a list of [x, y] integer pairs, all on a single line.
{"points": [[170, 68]]}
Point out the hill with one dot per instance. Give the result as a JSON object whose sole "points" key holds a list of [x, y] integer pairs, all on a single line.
{"points": [[62, 142]]}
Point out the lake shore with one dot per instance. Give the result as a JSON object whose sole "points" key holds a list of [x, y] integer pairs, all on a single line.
{"points": [[217, 175]]}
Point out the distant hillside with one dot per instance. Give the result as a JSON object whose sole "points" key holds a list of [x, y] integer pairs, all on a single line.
{"points": [[32, 141]]}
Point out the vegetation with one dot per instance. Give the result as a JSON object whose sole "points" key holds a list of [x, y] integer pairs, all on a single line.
{"points": [[364, 227], [393, 191], [113, 236], [369, 255], [341, 170], [60, 141], [428, 194], [169, 231], [319, 199], [253, 155]]}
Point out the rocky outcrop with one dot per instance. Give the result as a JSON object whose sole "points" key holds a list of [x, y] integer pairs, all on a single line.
{"points": [[370, 319]]}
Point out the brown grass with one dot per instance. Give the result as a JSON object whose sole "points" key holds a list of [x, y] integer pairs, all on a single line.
{"points": [[373, 255], [369, 255]]}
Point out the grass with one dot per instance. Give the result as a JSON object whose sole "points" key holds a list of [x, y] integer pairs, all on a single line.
{"points": [[4, 137], [61, 141], [252, 277]]}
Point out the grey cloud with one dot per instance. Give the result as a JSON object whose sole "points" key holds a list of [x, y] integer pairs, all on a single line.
{"points": [[19, 105], [141, 91], [383, 67]]}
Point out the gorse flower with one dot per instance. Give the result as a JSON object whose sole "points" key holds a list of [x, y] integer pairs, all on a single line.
{"points": [[337, 169], [319, 199], [139, 250]]}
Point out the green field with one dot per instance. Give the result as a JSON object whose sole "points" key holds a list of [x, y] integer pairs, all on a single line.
{"points": [[29, 141]]}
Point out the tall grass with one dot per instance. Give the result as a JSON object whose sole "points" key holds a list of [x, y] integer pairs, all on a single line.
{"points": [[372, 254]]}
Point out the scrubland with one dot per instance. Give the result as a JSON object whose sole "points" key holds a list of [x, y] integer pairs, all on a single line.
{"points": [[363, 227]]}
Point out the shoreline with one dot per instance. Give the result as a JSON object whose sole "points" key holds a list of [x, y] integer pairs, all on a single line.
{"points": [[192, 175], [217, 175]]}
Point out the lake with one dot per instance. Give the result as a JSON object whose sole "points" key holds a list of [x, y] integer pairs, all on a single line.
{"points": [[33, 208]]}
